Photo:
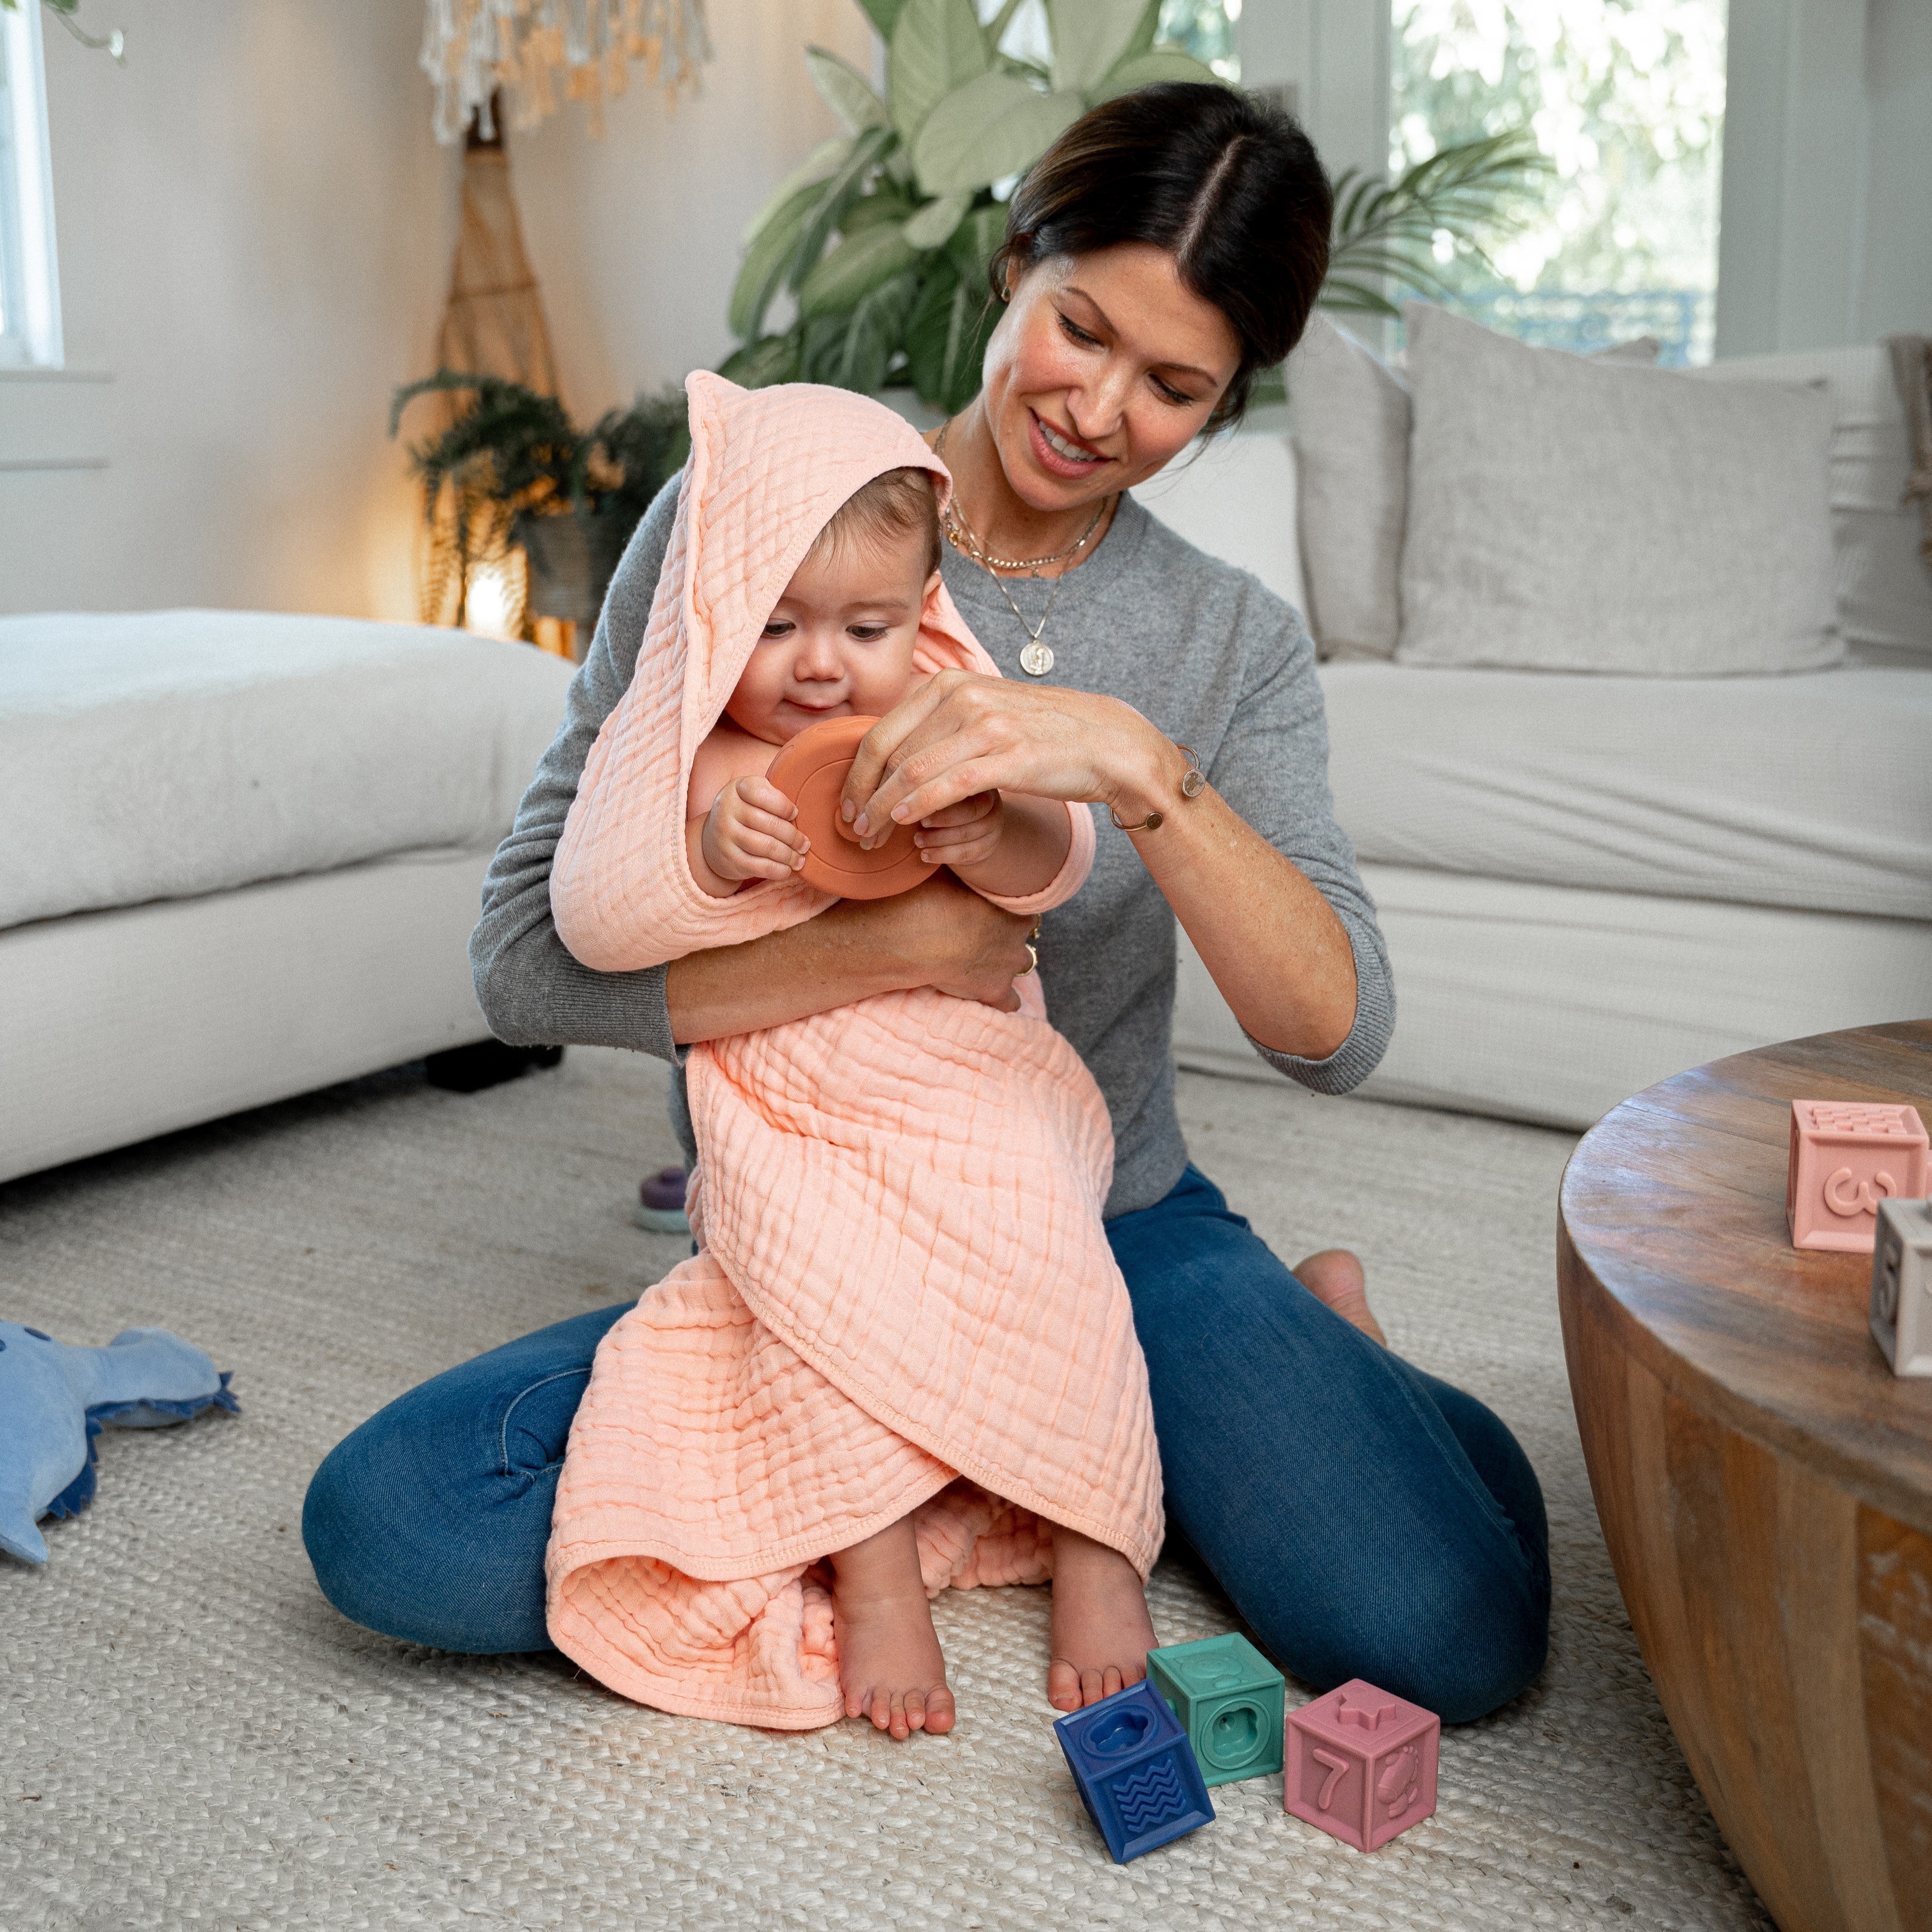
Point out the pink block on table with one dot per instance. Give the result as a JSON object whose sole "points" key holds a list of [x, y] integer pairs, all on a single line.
{"points": [[1846, 1155], [1361, 1764]]}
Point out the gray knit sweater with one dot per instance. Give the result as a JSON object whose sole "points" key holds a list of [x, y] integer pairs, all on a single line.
{"points": [[1215, 661]]}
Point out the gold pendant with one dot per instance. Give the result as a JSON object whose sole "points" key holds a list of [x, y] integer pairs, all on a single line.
{"points": [[1036, 660]]}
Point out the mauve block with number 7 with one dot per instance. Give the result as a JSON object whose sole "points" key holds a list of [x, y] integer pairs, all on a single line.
{"points": [[1361, 1764]]}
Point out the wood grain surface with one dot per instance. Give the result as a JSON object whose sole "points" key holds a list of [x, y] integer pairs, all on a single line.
{"points": [[1764, 1481]]}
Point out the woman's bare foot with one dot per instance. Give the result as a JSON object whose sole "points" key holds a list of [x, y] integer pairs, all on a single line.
{"points": [[890, 1666], [1335, 1276], [1102, 1632]]}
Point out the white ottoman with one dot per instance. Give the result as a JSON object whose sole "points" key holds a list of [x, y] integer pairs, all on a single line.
{"points": [[245, 852]]}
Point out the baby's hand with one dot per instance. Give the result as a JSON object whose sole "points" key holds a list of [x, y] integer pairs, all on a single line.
{"points": [[964, 834], [748, 833]]}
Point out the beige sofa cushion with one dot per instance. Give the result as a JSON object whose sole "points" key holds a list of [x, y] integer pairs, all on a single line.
{"points": [[1568, 513], [1813, 791]]}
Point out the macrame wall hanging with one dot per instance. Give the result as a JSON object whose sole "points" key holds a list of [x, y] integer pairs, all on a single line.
{"points": [[530, 48]]}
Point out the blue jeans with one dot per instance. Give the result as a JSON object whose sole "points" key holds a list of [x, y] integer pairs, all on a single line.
{"points": [[1367, 1519]]}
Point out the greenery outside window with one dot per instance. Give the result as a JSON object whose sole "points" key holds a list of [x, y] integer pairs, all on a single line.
{"points": [[1626, 99]]}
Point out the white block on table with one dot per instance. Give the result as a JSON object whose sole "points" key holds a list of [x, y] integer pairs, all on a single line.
{"points": [[1901, 1292]]}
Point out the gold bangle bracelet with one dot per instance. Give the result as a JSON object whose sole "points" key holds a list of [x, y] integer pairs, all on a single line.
{"points": [[1193, 783]]}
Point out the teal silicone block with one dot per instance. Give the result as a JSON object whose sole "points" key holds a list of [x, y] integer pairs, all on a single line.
{"points": [[1229, 1698]]}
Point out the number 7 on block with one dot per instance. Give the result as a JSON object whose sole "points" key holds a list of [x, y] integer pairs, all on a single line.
{"points": [[1336, 1767]]}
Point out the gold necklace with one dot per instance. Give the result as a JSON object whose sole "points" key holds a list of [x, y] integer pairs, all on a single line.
{"points": [[978, 552], [1036, 659]]}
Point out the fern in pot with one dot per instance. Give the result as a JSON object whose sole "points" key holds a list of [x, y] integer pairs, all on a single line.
{"points": [[512, 470]]}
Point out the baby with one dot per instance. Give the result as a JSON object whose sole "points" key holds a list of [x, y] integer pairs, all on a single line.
{"points": [[839, 644], [902, 1356]]}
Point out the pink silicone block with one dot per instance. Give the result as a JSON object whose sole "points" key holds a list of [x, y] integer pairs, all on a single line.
{"points": [[1361, 1764], [1846, 1155]]}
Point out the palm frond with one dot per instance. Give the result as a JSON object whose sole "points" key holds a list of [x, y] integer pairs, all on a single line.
{"points": [[1384, 232]]}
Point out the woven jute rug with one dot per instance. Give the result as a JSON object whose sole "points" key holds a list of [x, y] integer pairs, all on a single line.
{"points": [[190, 1737]]}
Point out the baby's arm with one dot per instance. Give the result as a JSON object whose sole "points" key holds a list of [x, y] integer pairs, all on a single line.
{"points": [[1011, 847]]}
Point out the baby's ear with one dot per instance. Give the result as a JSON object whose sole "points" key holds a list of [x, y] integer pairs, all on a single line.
{"points": [[929, 597]]}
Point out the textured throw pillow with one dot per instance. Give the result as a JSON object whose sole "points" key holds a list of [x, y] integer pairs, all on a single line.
{"points": [[1351, 432], [1570, 513], [1884, 590]]}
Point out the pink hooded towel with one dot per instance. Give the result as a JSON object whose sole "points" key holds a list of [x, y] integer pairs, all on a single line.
{"points": [[903, 1301]]}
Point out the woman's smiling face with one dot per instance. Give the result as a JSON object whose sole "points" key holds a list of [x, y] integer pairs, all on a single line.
{"points": [[1103, 368]]}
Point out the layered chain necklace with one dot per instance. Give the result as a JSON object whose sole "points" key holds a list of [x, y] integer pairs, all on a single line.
{"points": [[1036, 658]]}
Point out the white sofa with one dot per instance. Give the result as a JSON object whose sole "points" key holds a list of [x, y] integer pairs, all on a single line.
{"points": [[1588, 882], [246, 853]]}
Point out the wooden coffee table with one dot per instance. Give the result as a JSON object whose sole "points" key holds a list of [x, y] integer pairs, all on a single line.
{"points": [[1765, 1483]]}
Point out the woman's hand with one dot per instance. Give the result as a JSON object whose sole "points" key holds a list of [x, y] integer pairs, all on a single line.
{"points": [[943, 935], [962, 733]]}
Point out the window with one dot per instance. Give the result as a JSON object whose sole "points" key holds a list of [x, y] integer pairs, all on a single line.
{"points": [[1627, 99], [29, 288]]}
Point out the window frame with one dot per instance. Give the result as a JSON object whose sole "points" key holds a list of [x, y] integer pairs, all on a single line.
{"points": [[30, 336]]}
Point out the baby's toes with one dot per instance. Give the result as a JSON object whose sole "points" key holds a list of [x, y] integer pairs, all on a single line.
{"points": [[901, 1728], [939, 1713], [1063, 1685], [915, 1710]]}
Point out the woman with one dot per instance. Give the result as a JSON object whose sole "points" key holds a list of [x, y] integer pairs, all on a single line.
{"points": [[1366, 1519]]}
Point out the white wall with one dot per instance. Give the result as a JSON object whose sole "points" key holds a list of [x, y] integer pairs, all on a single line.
{"points": [[634, 239], [254, 229]]}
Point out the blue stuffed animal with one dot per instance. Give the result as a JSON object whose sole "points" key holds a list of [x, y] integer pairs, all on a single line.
{"points": [[54, 1400]]}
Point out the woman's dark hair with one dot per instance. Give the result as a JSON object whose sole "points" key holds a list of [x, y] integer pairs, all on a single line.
{"points": [[1231, 188]]}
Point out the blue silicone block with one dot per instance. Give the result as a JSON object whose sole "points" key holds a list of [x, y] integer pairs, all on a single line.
{"points": [[1136, 1771], [1229, 1698]]}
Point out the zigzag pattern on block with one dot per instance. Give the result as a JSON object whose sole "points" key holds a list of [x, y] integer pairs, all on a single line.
{"points": [[1149, 1797]]}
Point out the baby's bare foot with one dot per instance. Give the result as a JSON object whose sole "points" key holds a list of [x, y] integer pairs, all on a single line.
{"points": [[1102, 1632], [1336, 1276], [890, 1666]]}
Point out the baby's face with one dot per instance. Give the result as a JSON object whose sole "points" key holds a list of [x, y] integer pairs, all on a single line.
{"points": [[839, 643]]}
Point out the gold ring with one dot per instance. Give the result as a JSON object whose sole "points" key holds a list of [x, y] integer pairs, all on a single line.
{"points": [[1032, 959]]}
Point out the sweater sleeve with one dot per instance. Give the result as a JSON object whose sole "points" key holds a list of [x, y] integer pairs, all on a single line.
{"points": [[1272, 768], [532, 991]]}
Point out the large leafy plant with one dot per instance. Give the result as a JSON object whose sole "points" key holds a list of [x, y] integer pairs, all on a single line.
{"points": [[881, 238]]}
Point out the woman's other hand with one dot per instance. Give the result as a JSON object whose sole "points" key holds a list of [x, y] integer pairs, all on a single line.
{"points": [[945, 936], [962, 733]]}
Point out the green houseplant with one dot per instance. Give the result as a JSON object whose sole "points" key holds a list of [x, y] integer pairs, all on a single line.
{"points": [[511, 468], [883, 235]]}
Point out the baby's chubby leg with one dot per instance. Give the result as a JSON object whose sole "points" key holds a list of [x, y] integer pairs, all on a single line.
{"points": [[1102, 1632], [890, 1664]]}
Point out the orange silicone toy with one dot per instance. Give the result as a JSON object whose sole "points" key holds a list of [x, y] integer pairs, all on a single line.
{"points": [[811, 771]]}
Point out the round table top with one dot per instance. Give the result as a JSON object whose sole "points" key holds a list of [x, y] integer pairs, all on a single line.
{"points": [[1674, 1203]]}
